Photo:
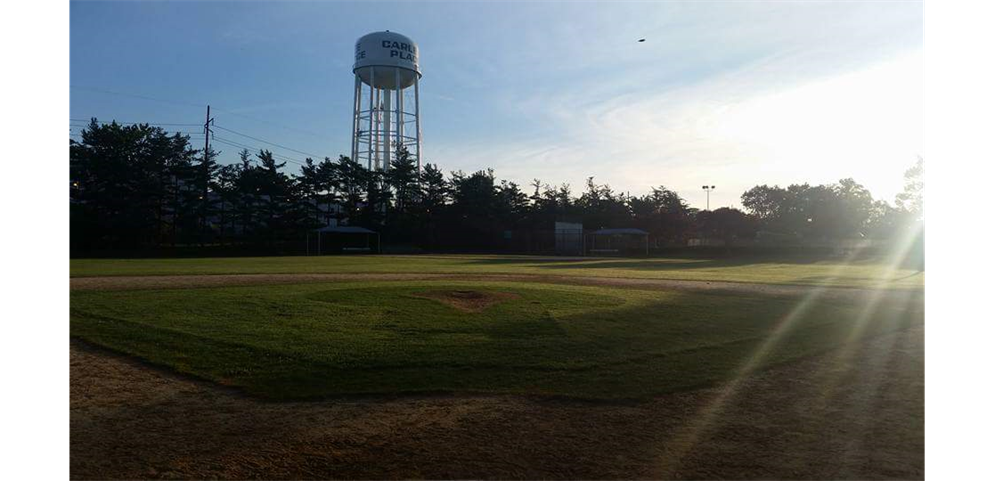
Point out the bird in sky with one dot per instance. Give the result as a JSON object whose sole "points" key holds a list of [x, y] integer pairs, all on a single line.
{"points": [[642, 40]]}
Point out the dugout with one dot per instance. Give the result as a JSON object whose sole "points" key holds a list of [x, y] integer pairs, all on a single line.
{"points": [[343, 240], [618, 242]]}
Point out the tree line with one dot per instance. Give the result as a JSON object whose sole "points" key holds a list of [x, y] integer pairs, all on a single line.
{"points": [[141, 188]]}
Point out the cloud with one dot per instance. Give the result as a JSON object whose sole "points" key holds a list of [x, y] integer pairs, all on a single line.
{"points": [[761, 123]]}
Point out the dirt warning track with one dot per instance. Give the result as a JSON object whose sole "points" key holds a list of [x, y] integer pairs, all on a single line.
{"points": [[854, 412], [839, 415]]}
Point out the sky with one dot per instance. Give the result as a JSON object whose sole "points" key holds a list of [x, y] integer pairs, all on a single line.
{"points": [[732, 94]]}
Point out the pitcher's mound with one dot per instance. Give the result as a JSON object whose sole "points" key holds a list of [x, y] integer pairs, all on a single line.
{"points": [[467, 300]]}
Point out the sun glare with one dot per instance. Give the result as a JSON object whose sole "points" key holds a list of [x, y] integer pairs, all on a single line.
{"points": [[868, 123]]}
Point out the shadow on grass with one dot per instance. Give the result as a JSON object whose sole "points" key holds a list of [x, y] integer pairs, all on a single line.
{"points": [[908, 276], [633, 352], [676, 263], [668, 264]]}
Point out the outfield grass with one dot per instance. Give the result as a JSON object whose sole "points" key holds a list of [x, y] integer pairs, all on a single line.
{"points": [[324, 339], [875, 273]]}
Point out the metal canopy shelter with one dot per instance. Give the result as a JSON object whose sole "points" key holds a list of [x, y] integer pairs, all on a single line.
{"points": [[344, 239], [618, 241]]}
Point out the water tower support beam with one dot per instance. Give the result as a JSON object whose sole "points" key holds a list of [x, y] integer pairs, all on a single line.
{"points": [[377, 127], [356, 98], [369, 133], [386, 129], [399, 111], [417, 126]]}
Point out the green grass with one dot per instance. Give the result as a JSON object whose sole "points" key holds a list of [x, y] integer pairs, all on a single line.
{"points": [[875, 273], [325, 339]]}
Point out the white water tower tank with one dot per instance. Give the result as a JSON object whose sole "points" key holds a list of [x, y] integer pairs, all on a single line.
{"points": [[385, 103]]}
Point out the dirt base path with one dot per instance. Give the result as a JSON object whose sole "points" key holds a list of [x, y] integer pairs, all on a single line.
{"points": [[223, 280], [850, 413]]}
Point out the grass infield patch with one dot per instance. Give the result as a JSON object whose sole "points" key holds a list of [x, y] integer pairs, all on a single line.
{"points": [[318, 340]]}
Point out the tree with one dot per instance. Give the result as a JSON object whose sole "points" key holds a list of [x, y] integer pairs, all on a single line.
{"points": [[432, 198], [203, 179], [403, 179], [662, 213], [378, 197], [350, 179], [512, 204], [855, 205], [603, 208], [434, 188], [911, 197], [273, 192], [247, 190], [726, 224], [473, 215], [765, 202], [836, 211], [308, 184], [328, 193], [127, 184], [136, 186], [226, 185]]}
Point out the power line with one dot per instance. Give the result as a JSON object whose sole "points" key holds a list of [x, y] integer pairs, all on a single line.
{"points": [[233, 143], [228, 142], [177, 102], [164, 124], [268, 142], [308, 132], [275, 156], [145, 97], [184, 132]]}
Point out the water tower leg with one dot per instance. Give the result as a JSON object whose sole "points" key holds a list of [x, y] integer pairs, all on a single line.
{"points": [[417, 126], [386, 130], [357, 96], [399, 110], [369, 132], [377, 127]]}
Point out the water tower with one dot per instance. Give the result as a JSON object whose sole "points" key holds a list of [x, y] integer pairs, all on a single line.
{"points": [[385, 104]]}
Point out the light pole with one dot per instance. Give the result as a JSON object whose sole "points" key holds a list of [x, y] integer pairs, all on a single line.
{"points": [[708, 195]]}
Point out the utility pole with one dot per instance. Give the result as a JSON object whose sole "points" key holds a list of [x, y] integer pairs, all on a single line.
{"points": [[207, 129], [205, 170], [708, 195], [207, 147]]}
